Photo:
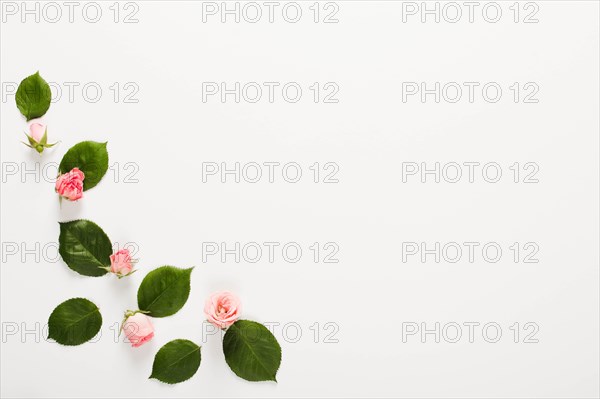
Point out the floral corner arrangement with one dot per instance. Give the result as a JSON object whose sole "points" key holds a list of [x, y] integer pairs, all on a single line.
{"points": [[249, 348]]}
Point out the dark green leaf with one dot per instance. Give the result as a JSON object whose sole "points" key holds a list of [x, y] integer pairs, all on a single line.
{"points": [[33, 96], [74, 322], [251, 351], [164, 291], [177, 361], [84, 247], [91, 158]]}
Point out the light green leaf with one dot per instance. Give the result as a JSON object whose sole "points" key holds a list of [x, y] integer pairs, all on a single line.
{"points": [[84, 247], [251, 351], [91, 158], [75, 321], [164, 291], [176, 361], [33, 96]]}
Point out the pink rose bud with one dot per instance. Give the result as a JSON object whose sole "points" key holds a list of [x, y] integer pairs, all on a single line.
{"points": [[36, 131], [121, 263], [37, 135], [223, 309], [138, 328], [70, 185]]}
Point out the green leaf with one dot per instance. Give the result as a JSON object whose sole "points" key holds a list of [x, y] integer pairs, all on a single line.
{"points": [[176, 361], [33, 96], [251, 351], [75, 321], [84, 247], [91, 158], [164, 291]]}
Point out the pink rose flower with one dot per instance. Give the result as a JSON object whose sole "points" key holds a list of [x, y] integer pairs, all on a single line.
{"points": [[223, 309], [138, 329], [121, 263], [70, 185]]}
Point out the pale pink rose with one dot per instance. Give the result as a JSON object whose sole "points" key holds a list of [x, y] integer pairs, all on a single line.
{"points": [[223, 309], [70, 185], [121, 263], [36, 131], [36, 136], [138, 329]]}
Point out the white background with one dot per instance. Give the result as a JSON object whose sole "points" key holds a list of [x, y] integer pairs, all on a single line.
{"points": [[369, 133]]}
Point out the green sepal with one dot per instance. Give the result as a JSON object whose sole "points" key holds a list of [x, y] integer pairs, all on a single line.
{"points": [[43, 144]]}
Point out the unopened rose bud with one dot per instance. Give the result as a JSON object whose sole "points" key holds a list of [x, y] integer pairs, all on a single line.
{"points": [[37, 135], [138, 328], [36, 131], [121, 263]]}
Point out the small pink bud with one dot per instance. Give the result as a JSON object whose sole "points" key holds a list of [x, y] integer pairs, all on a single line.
{"points": [[36, 131], [139, 329], [37, 136], [121, 263]]}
